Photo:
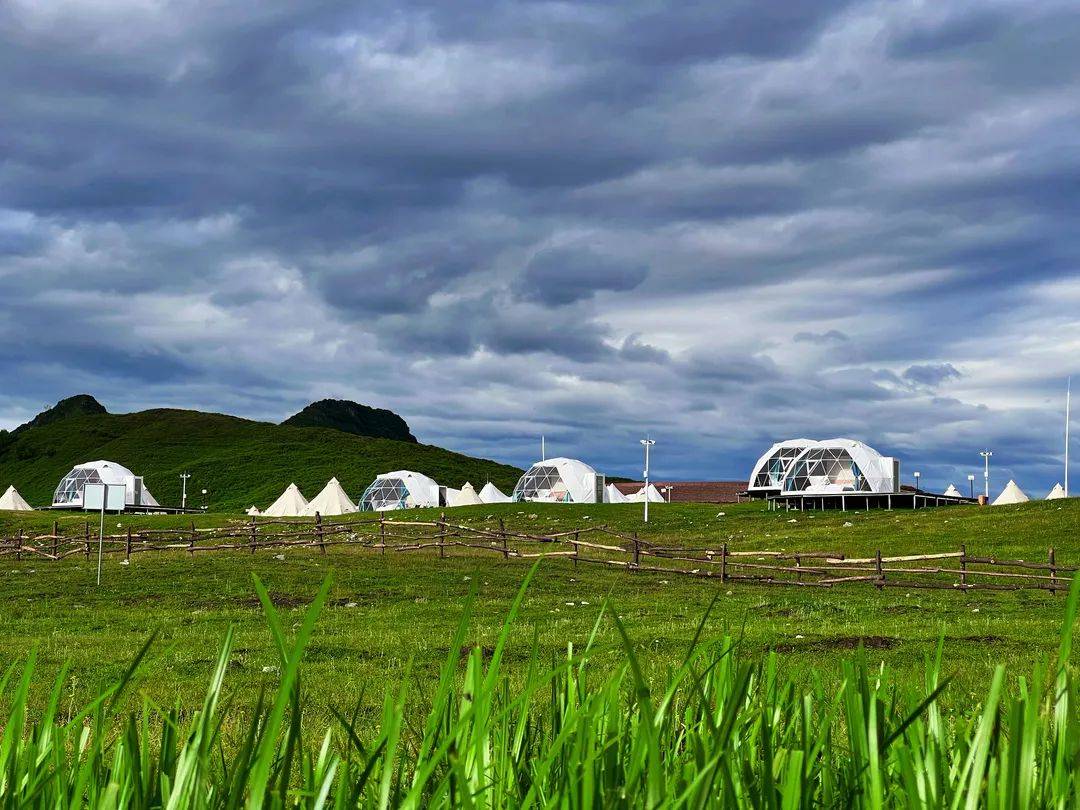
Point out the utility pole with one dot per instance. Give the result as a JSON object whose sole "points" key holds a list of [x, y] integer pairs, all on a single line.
{"points": [[986, 471], [1068, 404], [647, 443], [183, 493]]}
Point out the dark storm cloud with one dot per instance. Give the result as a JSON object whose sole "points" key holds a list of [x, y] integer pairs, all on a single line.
{"points": [[725, 223]]}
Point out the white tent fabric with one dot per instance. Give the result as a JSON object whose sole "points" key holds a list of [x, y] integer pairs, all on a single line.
{"points": [[331, 501], [291, 503], [253, 511], [402, 489], [466, 496], [953, 492], [1011, 494], [650, 492], [1057, 492], [12, 501], [613, 495], [69, 492], [835, 466], [491, 494], [768, 473], [557, 480]]}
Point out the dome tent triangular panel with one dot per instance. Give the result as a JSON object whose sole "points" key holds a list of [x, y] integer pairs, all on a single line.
{"points": [[69, 492], [492, 494], [1011, 494], [558, 480], [12, 501], [1056, 493], [402, 489], [291, 503], [837, 466], [333, 500]]}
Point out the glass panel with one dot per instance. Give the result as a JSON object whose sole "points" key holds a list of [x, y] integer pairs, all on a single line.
{"points": [[542, 483], [70, 489], [383, 494]]}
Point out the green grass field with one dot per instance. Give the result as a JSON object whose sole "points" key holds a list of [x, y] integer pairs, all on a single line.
{"points": [[387, 611]]}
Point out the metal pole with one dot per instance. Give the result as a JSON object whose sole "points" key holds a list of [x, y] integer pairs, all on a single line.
{"points": [[1068, 404], [101, 531], [183, 492]]}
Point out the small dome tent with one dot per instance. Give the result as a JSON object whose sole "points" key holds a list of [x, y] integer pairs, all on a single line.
{"points": [[767, 477], [492, 494], [559, 480], [291, 503], [836, 466], [331, 501], [1011, 494], [1057, 492], [69, 492], [12, 501], [402, 489]]}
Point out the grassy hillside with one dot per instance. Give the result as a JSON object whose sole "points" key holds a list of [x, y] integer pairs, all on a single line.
{"points": [[238, 461]]}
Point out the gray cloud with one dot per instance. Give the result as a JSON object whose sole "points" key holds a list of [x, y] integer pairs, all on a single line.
{"points": [[557, 276], [931, 374], [821, 338]]}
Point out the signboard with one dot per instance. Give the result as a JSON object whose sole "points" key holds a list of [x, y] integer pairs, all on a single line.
{"points": [[95, 494]]}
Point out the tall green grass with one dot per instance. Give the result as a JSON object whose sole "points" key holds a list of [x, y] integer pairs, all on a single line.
{"points": [[718, 731]]}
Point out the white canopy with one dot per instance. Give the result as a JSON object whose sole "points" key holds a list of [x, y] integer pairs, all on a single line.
{"points": [[69, 492], [331, 501], [650, 493], [253, 511], [491, 494], [557, 480], [466, 496], [402, 489], [835, 466], [953, 492], [612, 494], [1011, 494], [12, 501], [291, 503], [1057, 492]]}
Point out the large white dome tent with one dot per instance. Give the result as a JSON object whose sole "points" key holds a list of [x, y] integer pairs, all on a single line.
{"points": [[69, 492], [838, 466], [402, 489], [767, 477], [560, 480]]}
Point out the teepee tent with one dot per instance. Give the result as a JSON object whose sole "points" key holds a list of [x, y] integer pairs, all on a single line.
{"points": [[492, 494], [331, 501], [253, 511], [612, 494], [466, 496], [651, 493], [12, 501], [953, 492], [1011, 494], [1057, 492], [290, 504]]}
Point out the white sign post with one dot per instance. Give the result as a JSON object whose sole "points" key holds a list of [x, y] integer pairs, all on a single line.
{"points": [[104, 496]]}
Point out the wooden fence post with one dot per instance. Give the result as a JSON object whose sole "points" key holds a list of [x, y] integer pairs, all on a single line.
{"points": [[502, 534], [1053, 573], [319, 531], [254, 534], [723, 563], [798, 564], [127, 547], [18, 547], [577, 548], [87, 550], [191, 543], [880, 572], [382, 533], [442, 534], [55, 538], [963, 565], [637, 551]]}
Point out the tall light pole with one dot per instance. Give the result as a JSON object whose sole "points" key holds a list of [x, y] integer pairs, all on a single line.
{"points": [[917, 476], [183, 492], [986, 471], [971, 486], [1068, 403], [647, 443]]}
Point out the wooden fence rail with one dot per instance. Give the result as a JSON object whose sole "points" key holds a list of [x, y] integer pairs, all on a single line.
{"points": [[597, 545]]}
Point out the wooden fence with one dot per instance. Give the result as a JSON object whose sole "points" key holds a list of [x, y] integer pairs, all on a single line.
{"points": [[594, 545]]}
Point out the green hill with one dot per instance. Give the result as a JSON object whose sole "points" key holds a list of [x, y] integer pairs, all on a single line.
{"points": [[239, 462], [352, 417]]}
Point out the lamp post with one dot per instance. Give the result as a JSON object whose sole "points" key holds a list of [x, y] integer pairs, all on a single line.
{"points": [[986, 471], [668, 489], [647, 443], [183, 492], [971, 486], [917, 475], [204, 500]]}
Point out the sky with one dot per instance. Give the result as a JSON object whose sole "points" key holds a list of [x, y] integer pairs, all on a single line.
{"points": [[722, 224]]}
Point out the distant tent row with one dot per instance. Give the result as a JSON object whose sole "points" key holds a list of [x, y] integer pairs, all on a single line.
{"points": [[1013, 494]]}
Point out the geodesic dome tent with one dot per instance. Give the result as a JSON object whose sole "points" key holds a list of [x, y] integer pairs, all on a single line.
{"points": [[836, 466], [560, 480], [69, 492], [768, 474], [402, 489]]}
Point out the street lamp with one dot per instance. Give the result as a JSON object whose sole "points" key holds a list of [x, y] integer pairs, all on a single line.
{"points": [[204, 500], [183, 493], [647, 443], [986, 470], [668, 489], [917, 474], [971, 486]]}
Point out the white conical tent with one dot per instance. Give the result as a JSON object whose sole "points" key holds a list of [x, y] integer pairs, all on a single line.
{"points": [[466, 496], [1011, 494], [492, 494], [1057, 492], [331, 501], [650, 492], [253, 511], [612, 494], [289, 504], [953, 492], [12, 501]]}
